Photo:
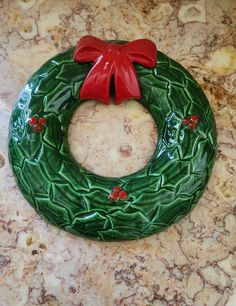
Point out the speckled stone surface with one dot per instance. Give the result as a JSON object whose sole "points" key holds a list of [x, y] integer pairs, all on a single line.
{"points": [[194, 261], [114, 140]]}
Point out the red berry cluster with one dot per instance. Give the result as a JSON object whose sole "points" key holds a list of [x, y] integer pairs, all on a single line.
{"points": [[118, 194], [191, 121], [37, 123]]}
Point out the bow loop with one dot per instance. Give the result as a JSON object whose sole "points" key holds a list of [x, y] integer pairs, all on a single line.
{"points": [[89, 49], [142, 51], [111, 59]]}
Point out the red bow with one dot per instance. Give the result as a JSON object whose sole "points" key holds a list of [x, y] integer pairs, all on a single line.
{"points": [[116, 60]]}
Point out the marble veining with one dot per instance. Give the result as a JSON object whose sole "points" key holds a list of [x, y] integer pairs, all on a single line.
{"points": [[191, 263], [112, 141]]}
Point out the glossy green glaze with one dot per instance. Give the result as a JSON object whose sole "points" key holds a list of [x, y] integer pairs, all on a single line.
{"points": [[75, 199]]}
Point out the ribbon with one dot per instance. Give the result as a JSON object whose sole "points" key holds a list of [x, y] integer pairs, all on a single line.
{"points": [[113, 61]]}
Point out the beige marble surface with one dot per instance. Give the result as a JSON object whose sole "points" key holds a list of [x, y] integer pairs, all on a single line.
{"points": [[194, 261], [114, 140]]}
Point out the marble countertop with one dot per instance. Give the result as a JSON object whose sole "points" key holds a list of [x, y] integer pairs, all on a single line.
{"points": [[191, 263]]}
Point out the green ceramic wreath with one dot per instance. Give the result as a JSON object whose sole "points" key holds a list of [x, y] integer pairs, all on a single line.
{"points": [[110, 209]]}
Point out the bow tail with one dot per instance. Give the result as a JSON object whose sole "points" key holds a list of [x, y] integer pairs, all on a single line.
{"points": [[97, 83], [126, 81]]}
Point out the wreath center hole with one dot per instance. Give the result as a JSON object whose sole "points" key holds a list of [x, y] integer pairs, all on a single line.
{"points": [[112, 140]]}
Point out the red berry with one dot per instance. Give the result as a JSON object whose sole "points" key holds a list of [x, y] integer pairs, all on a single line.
{"points": [[117, 189], [38, 127], [42, 121], [192, 125], [194, 118], [186, 121], [33, 120], [123, 195], [114, 196]]}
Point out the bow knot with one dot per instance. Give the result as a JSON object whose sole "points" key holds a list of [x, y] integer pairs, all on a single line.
{"points": [[114, 48], [113, 60]]}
